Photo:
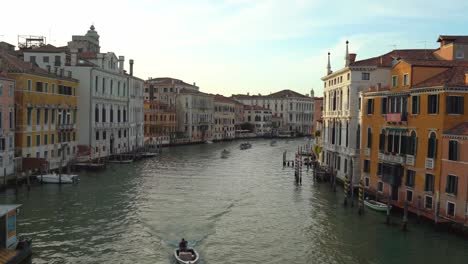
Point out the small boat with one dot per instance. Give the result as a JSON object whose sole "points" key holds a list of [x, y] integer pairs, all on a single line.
{"points": [[225, 154], [124, 161], [148, 154], [245, 145], [377, 206], [56, 178], [209, 142], [188, 256], [273, 143]]}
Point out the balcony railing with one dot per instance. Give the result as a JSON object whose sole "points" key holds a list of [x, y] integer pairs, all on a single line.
{"points": [[395, 158], [396, 117], [429, 163]]}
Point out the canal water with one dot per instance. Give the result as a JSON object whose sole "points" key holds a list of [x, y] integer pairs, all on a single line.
{"points": [[243, 209]]}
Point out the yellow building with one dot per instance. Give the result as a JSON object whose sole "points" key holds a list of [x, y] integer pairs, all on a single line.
{"points": [[46, 112], [402, 127]]}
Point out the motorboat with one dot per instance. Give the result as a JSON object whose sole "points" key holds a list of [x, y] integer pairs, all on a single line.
{"points": [[209, 142], [245, 145], [57, 178], [377, 206], [188, 256], [124, 161], [149, 154], [225, 153]]}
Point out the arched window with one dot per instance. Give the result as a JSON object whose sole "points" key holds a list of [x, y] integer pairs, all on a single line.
{"points": [[96, 114], [111, 114], [358, 137], [412, 144], [104, 114], [382, 140], [432, 146], [453, 150], [118, 115], [369, 137]]}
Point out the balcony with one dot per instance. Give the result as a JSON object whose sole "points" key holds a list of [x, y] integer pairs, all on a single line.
{"points": [[367, 152], [396, 117], [64, 126], [394, 158], [410, 160], [429, 163]]}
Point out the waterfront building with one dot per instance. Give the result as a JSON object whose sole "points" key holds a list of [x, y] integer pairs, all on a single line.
{"points": [[454, 175], [7, 123], [260, 118], [165, 89], [318, 108], [195, 113], [402, 131], [136, 113], [341, 120], [224, 127], [293, 112], [46, 112], [239, 115]]}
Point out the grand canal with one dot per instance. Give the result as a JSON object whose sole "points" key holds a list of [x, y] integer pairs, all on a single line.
{"points": [[244, 209]]}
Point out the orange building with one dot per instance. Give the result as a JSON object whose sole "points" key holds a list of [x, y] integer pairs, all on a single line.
{"points": [[160, 122], [454, 177], [402, 128]]}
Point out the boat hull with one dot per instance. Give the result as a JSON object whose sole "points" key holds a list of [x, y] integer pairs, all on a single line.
{"points": [[182, 261], [120, 161], [55, 178], [377, 206]]}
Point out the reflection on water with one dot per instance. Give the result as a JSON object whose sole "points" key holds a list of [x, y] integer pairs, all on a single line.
{"points": [[243, 209]]}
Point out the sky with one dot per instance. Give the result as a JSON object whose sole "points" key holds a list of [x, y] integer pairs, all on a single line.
{"points": [[239, 46]]}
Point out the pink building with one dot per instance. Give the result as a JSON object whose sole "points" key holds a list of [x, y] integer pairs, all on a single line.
{"points": [[454, 176], [7, 124], [318, 108]]}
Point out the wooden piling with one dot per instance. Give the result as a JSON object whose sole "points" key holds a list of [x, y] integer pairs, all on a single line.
{"points": [[404, 226], [388, 210], [361, 199], [28, 180], [345, 202]]}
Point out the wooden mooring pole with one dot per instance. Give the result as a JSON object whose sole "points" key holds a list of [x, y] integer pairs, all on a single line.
{"points": [[388, 210], [404, 226]]}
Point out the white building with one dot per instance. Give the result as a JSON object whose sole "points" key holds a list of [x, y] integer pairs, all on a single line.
{"points": [[260, 118], [195, 115], [293, 112], [224, 126], [341, 106], [136, 113]]}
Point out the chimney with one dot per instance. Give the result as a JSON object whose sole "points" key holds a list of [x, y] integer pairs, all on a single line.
{"points": [[347, 59], [352, 57], [194, 84], [131, 67], [121, 63], [329, 71]]}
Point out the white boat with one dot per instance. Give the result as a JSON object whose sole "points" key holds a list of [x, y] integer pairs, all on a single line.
{"points": [[55, 178], [148, 154], [209, 142], [377, 206], [121, 161], [188, 256]]}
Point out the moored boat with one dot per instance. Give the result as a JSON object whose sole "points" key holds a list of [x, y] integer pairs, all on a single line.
{"points": [[56, 178], [148, 154], [125, 161], [188, 256], [377, 206]]}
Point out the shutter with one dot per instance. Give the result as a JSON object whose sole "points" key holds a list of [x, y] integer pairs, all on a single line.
{"points": [[415, 145], [435, 148], [382, 142], [448, 105], [430, 146], [447, 184], [461, 105], [455, 185], [437, 104]]}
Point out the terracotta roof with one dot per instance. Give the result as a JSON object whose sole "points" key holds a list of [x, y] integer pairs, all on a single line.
{"points": [[15, 64], [460, 129], [255, 107], [458, 39], [453, 77], [224, 99], [47, 48], [386, 60]]}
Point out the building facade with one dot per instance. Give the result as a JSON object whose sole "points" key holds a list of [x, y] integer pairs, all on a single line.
{"points": [[224, 126], [260, 118], [454, 175], [318, 108], [402, 126], [293, 111], [195, 116], [136, 113], [46, 112], [7, 123]]}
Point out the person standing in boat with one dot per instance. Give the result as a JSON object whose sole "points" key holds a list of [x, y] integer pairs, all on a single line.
{"points": [[183, 245]]}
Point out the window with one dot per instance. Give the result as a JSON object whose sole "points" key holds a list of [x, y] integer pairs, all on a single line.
{"points": [[370, 106], [433, 104], [394, 81], [104, 135], [348, 76], [38, 116], [52, 118], [46, 142], [57, 61], [366, 182], [450, 209], [29, 85], [452, 184], [405, 79], [459, 54], [104, 114], [410, 178], [380, 186], [369, 137], [46, 116], [359, 103], [432, 146], [428, 202], [96, 114], [429, 183], [52, 139], [28, 141], [384, 105], [455, 104], [415, 104], [103, 85], [366, 166], [409, 195], [453, 150], [379, 169], [412, 144], [46, 87], [45, 59], [365, 76], [11, 119], [53, 88], [38, 140], [32, 59], [97, 135], [382, 141]]}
